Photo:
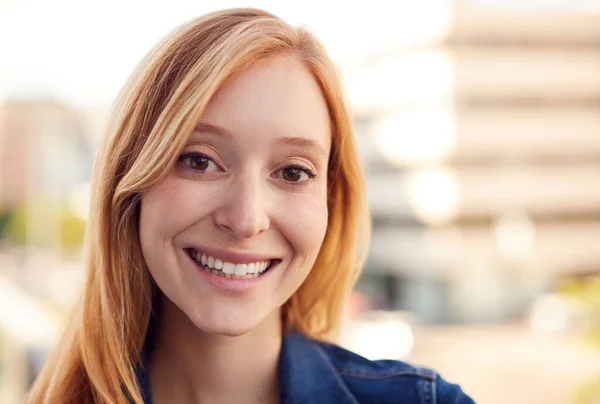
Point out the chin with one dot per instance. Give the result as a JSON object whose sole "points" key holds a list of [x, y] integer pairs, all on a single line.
{"points": [[225, 324], [228, 331]]}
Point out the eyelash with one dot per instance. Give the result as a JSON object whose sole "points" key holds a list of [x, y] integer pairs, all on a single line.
{"points": [[185, 156], [310, 173]]}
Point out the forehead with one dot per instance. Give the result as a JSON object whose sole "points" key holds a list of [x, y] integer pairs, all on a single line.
{"points": [[278, 97]]}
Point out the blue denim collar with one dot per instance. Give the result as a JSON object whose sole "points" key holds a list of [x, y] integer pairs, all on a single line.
{"points": [[306, 375]]}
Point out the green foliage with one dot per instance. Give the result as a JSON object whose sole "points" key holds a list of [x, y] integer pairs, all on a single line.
{"points": [[4, 220], [586, 290], [14, 226], [73, 230]]}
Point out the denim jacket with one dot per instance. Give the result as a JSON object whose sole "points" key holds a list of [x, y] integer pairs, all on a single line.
{"points": [[314, 372]]}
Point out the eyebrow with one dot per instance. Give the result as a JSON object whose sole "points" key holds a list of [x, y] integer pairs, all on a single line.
{"points": [[210, 128], [304, 143], [205, 127]]}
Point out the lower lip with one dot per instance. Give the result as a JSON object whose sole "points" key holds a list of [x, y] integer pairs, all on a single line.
{"points": [[231, 285]]}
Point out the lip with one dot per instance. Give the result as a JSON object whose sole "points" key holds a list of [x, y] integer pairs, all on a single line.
{"points": [[231, 286], [230, 256]]}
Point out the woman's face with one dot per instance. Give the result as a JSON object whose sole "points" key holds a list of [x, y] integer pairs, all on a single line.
{"points": [[235, 227]]}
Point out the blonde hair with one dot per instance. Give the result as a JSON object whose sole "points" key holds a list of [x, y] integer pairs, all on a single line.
{"points": [[96, 359]]}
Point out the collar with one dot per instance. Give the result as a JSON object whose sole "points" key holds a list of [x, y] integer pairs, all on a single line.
{"points": [[306, 374]]}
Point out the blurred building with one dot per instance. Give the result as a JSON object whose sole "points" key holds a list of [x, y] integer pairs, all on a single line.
{"points": [[45, 155], [481, 140], [32, 132]]}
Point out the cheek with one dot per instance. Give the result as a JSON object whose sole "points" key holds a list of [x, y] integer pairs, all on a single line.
{"points": [[156, 219], [304, 224], [168, 208]]}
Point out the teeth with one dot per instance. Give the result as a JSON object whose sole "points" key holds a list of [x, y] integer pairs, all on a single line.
{"points": [[228, 268], [240, 269], [217, 266]]}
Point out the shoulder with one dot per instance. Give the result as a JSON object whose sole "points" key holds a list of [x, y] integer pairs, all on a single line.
{"points": [[392, 381]]}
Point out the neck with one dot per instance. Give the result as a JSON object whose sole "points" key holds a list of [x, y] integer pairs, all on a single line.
{"points": [[188, 365]]}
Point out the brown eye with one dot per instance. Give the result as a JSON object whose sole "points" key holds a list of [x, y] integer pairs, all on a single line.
{"points": [[198, 162], [296, 174], [292, 174]]}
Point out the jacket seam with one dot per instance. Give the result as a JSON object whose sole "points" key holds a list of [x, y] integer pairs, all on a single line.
{"points": [[336, 375], [426, 392], [420, 372], [434, 390]]}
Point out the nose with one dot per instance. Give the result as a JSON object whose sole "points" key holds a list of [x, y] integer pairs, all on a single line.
{"points": [[243, 212]]}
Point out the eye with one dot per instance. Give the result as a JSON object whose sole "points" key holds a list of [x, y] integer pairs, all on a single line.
{"points": [[198, 162], [295, 174]]}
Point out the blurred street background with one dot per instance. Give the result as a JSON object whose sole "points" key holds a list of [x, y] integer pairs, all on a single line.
{"points": [[478, 122]]}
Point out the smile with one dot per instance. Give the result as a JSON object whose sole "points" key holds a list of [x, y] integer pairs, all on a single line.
{"points": [[226, 269]]}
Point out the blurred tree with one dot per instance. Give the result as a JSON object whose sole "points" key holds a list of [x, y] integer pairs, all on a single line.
{"points": [[586, 290], [13, 227], [73, 231], [15, 230], [4, 219]]}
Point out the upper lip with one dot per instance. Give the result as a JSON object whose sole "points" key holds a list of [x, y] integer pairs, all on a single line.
{"points": [[231, 256]]}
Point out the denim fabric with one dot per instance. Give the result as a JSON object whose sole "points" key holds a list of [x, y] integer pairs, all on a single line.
{"points": [[313, 372]]}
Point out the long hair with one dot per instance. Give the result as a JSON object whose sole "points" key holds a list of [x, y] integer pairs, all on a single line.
{"points": [[95, 360]]}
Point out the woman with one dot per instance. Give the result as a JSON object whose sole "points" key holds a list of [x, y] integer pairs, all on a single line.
{"points": [[228, 224]]}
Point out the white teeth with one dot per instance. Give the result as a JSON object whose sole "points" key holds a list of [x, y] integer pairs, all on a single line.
{"points": [[228, 268], [240, 269], [217, 266]]}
